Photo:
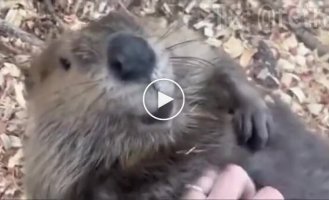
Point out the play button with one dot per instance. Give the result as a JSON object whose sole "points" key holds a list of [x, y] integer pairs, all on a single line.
{"points": [[163, 99]]}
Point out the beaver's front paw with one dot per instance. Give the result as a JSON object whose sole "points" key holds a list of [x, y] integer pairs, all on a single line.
{"points": [[253, 123]]}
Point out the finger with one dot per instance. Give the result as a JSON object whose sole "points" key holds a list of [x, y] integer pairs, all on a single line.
{"points": [[202, 186], [194, 195], [233, 183], [268, 193]]}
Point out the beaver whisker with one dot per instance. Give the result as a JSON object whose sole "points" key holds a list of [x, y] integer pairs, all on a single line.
{"points": [[192, 59], [170, 30], [96, 99], [180, 44], [82, 83], [186, 64]]}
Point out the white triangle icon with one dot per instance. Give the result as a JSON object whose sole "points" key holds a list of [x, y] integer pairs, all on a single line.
{"points": [[163, 99]]}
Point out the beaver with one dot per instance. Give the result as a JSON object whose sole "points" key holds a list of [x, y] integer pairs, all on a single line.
{"points": [[89, 136]]}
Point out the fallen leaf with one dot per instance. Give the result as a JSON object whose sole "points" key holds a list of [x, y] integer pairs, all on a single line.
{"points": [[19, 93], [190, 6], [288, 78], [10, 69], [234, 47], [286, 65], [6, 142], [315, 108], [15, 141], [209, 32], [323, 81], [14, 17], [298, 92], [16, 160], [246, 57], [263, 74], [324, 36], [301, 60], [290, 42], [2, 127], [302, 50], [201, 24], [11, 128], [214, 42], [10, 141], [2, 80]]}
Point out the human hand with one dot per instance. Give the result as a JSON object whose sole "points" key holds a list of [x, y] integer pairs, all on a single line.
{"points": [[232, 183]]}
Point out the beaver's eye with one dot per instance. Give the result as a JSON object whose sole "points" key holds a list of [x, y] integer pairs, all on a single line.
{"points": [[65, 63]]}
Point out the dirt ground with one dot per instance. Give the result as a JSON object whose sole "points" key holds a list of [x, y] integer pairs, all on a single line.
{"points": [[283, 45]]}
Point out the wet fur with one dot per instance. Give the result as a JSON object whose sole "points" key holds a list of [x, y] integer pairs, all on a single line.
{"points": [[81, 146], [296, 160]]}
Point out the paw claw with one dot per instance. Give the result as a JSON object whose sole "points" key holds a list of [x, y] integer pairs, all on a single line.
{"points": [[254, 125]]}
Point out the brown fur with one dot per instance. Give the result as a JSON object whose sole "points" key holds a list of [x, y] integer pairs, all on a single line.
{"points": [[87, 134]]}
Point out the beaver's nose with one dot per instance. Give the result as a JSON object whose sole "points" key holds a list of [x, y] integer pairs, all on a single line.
{"points": [[130, 57]]}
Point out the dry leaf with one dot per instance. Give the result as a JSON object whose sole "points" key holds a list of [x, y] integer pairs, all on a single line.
{"points": [[11, 127], [263, 74], [298, 92], [301, 60], [323, 81], [10, 69], [6, 142], [288, 78], [315, 108], [190, 6], [290, 43], [209, 32], [15, 141], [214, 42], [16, 160], [10, 141], [2, 127], [286, 65], [246, 57], [201, 24], [324, 36], [14, 17], [2, 80], [234, 47], [19, 94], [302, 50]]}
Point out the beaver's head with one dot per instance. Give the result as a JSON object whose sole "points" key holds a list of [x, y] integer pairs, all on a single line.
{"points": [[108, 64], [85, 92]]}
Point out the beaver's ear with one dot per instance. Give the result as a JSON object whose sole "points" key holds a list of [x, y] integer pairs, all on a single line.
{"points": [[40, 66], [29, 79], [32, 74]]}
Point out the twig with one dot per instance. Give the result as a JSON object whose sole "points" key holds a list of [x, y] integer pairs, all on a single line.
{"points": [[7, 29], [51, 10], [304, 36], [4, 48], [310, 40]]}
